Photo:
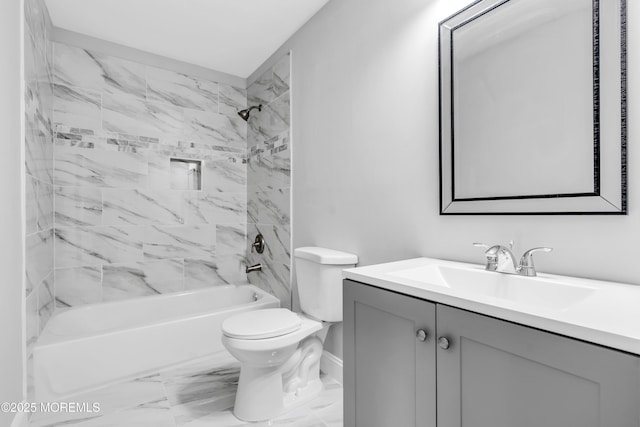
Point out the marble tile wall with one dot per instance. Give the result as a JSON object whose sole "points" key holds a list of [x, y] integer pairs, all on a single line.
{"points": [[121, 231], [39, 276], [269, 179]]}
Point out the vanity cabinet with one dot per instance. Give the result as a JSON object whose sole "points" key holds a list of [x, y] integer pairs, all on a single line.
{"points": [[389, 359], [473, 370]]}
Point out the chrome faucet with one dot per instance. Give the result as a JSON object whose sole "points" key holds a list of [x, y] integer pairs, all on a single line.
{"points": [[526, 268], [500, 259]]}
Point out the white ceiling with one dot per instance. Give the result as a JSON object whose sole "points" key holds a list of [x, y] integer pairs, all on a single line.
{"points": [[232, 36]]}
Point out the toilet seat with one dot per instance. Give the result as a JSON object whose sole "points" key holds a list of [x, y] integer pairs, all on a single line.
{"points": [[261, 324]]}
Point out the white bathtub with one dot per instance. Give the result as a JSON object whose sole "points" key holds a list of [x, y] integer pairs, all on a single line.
{"points": [[93, 345]]}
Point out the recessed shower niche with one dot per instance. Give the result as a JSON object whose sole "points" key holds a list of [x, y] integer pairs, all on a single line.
{"points": [[185, 174]]}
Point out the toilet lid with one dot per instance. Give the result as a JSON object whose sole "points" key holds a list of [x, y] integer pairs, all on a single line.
{"points": [[258, 324]]}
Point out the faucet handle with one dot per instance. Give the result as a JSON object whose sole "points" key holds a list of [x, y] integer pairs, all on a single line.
{"points": [[492, 259], [526, 267], [481, 245], [258, 244]]}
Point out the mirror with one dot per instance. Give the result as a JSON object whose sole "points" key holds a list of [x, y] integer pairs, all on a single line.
{"points": [[532, 108]]}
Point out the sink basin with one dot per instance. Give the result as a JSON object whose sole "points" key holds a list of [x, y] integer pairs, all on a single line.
{"points": [[541, 292], [597, 311]]}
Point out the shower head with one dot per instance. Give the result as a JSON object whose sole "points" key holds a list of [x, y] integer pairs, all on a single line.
{"points": [[247, 111]]}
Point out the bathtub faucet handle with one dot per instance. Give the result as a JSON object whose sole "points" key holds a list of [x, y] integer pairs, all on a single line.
{"points": [[255, 267], [258, 244]]}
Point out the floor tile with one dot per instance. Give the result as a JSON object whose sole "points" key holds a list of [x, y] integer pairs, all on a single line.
{"points": [[147, 392], [200, 393]]}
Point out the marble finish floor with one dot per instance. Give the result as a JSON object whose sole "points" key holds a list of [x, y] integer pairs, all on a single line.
{"points": [[196, 394]]}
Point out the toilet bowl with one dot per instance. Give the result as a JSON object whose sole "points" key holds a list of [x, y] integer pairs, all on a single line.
{"points": [[279, 350], [277, 369]]}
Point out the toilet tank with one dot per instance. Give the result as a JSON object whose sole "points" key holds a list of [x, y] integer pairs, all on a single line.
{"points": [[319, 277]]}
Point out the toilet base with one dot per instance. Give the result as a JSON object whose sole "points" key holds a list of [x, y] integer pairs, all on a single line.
{"points": [[255, 407], [311, 391], [266, 392]]}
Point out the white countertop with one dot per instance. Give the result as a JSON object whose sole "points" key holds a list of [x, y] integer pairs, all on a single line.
{"points": [[609, 316]]}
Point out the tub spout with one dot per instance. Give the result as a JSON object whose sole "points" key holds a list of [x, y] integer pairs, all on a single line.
{"points": [[255, 267]]}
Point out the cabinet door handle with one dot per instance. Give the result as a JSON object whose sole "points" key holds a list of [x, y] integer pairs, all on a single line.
{"points": [[444, 343], [422, 335]]}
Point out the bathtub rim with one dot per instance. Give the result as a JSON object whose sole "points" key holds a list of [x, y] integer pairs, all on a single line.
{"points": [[48, 339]]}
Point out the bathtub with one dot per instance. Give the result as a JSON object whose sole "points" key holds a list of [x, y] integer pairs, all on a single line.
{"points": [[94, 345]]}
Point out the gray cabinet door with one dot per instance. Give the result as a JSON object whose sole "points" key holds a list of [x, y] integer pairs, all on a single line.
{"points": [[389, 374], [499, 374]]}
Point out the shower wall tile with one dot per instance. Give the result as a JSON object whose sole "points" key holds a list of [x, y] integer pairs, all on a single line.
{"points": [[44, 193], [223, 130], [81, 167], [46, 303], [262, 173], [231, 99], [90, 70], [78, 206], [165, 275], [87, 246], [132, 280], [158, 177], [38, 98], [269, 180], [262, 90], [124, 281], [231, 268], [77, 107], [162, 242], [280, 110], [278, 243], [231, 239], [282, 75], [271, 84], [201, 273], [121, 231], [78, 286], [32, 321], [224, 270], [181, 90], [38, 257], [38, 148], [136, 116], [34, 14], [282, 161], [208, 207], [141, 207], [225, 173], [39, 155], [275, 279], [31, 205], [31, 53], [269, 207], [272, 121], [74, 66], [38, 140], [266, 171]]}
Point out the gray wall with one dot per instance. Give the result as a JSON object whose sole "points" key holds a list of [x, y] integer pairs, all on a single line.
{"points": [[11, 288], [365, 157]]}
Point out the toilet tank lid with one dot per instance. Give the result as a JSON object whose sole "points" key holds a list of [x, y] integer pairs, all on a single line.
{"points": [[325, 256]]}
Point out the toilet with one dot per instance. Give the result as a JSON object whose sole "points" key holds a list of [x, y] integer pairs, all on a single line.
{"points": [[279, 350]]}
